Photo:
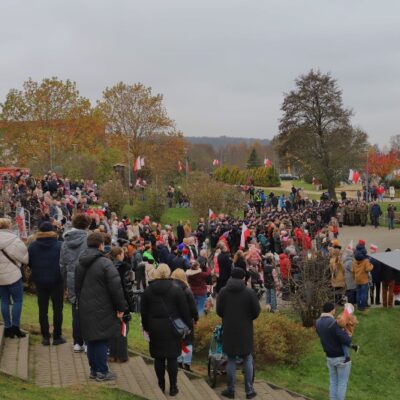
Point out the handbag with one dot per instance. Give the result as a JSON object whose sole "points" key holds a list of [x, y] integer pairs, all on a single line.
{"points": [[25, 270], [179, 326]]}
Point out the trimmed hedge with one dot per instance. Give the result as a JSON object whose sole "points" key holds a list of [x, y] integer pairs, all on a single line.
{"points": [[277, 338], [262, 176]]}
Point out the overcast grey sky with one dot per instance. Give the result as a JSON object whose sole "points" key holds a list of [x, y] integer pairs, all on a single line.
{"points": [[222, 65]]}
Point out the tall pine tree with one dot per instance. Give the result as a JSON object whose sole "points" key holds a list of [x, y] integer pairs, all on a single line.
{"points": [[253, 161]]}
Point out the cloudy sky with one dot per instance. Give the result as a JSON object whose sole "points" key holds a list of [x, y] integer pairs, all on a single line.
{"points": [[222, 65]]}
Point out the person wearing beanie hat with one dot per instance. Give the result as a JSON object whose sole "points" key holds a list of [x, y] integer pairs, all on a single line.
{"points": [[44, 262], [333, 338], [238, 306], [360, 269]]}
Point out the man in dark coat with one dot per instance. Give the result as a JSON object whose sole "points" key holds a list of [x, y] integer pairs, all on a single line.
{"points": [[225, 269], [101, 304], [238, 306], [44, 261]]}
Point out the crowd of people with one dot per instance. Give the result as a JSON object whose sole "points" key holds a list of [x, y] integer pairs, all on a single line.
{"points": [[110, 267]]}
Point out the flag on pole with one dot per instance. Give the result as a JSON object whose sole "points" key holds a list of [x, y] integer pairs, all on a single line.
{"points": [[142, 162], [267, 163], [356, 177], [20, 219], [351, 175], [138, 164], [216, 163], [211, 214], [180, 167], [243, 237]]}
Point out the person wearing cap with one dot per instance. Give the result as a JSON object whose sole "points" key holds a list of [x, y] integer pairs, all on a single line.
{"points": [[44, 261], [333, 338], [238, 306]]}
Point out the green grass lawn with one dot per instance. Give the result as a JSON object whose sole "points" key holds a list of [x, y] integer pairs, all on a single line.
{"points": [[15, 389], [375, 371]]}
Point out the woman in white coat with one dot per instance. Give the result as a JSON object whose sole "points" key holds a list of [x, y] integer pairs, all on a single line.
{"points": [[13, 253]]}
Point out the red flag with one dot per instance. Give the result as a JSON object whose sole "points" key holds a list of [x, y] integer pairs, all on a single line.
{"points": [[267, 163], [243, 237], [138, 164], [180, 166], [356, 177], [20, 219], [216, 163], [211, 214]]}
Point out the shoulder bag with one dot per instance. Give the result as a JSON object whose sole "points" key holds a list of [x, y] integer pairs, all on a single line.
{"points": [[179, 326]]}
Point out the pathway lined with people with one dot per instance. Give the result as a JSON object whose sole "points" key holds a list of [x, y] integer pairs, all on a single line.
{"points": [[59, 366]]}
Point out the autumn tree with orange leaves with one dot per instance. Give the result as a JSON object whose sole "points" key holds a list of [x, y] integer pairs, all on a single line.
{"points": [[381, 164]]}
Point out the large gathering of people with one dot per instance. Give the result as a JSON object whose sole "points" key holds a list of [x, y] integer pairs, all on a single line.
{"points": [[109, 266]]}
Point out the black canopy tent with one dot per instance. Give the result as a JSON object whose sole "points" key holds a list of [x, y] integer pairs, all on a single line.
{"points": [[390, 258]]}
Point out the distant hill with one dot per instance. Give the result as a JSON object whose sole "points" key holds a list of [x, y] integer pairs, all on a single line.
{"points": [[221, 141]]}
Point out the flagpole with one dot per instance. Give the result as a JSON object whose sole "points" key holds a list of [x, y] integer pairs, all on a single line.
{"points": [[129, 162]]}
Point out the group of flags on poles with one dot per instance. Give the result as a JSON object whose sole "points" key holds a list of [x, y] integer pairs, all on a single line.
{"points": [[180, 167], [267, 163], [354, 176]]}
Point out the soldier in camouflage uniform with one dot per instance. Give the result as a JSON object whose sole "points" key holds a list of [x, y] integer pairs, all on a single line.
{"points": [[363, 210], [350, 211]]}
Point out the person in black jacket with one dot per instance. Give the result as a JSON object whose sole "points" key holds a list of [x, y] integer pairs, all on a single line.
{"points": [[225, 268], [118, 346], [44, 261], [238, 306], [161, 301], [333, 339], [185, 359], [180, 232], [101, 304]]}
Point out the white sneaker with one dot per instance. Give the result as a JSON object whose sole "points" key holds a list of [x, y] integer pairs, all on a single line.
{"points": [[78, 348]]}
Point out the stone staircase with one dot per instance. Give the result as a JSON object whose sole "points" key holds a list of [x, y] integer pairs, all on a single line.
{"points": [[59, 366]]}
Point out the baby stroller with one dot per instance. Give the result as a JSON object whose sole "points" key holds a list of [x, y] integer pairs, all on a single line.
{"points": [[217, 359], [256, 282]]}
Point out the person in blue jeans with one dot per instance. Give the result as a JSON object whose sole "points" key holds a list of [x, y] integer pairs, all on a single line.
{"points": [[270, 283], [13, 253], [333, 338], [360, 268]]}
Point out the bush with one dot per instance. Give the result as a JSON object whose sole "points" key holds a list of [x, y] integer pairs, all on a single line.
{"points": [[114, 193], [153, 204], [206, 193], [277, 338], [262, 176]]}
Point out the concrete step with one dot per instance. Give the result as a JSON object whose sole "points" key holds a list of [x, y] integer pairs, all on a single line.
{"points": [[59, 366], [146, 379], [15, 357], [204, 389]]}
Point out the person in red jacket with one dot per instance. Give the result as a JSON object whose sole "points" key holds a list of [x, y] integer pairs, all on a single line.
{"points": [[307, 245], [285, 267], [197, 278]]}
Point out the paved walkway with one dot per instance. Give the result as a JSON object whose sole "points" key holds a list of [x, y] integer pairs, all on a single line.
{"points": [[382, 236]]}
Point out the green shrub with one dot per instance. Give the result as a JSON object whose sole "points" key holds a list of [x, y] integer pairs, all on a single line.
{"points": [[262, 176], [277, 338]]}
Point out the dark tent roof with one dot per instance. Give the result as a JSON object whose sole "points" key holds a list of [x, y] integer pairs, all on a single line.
{"points": [[390, 258]]}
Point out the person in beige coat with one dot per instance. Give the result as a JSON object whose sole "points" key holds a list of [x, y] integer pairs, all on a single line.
{"points": [[13, 253]]}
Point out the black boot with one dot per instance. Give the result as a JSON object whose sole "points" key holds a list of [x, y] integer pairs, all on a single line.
{"points": [[173, 391], [161, 385], [17, 332], [9, 332]]}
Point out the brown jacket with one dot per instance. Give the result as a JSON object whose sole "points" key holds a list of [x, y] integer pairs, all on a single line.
{"points": [[360, 271], [337, 271]]}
